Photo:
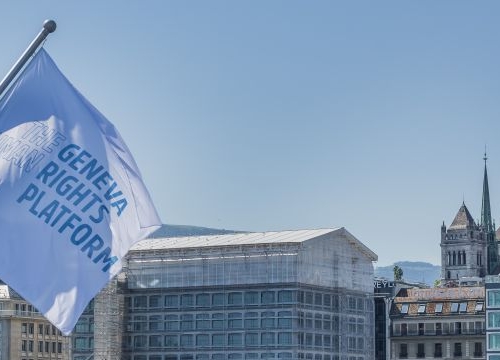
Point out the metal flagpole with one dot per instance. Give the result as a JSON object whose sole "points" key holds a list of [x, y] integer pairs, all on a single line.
{"points": [[49, 26]]}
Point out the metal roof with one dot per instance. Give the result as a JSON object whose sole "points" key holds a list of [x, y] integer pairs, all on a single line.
{"points": [[250, 238]]}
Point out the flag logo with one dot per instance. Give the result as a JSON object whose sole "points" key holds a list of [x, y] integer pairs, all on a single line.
{"points": [[72, 200]]}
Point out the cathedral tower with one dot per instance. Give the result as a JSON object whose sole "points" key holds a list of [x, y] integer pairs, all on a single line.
{"points": [[463, 248]]}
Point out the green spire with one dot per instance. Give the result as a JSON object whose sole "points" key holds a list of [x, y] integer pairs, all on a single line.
{"points": [[488, 226], [486, 221]]}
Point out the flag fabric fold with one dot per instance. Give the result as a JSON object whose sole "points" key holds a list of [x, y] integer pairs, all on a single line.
{"points": [[72, 200]]}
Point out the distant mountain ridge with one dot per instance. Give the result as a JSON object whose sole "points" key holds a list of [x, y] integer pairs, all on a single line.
{"points": [[167, 230], [413, 271]]}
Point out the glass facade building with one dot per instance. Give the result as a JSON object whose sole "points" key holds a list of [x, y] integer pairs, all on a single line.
{"points": [[277, 295]]}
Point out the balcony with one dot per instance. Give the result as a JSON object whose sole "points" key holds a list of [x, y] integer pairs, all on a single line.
{"points": [[439, 332]]}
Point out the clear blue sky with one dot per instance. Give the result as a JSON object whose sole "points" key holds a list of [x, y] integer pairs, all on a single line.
{"points": [[275, 115]]}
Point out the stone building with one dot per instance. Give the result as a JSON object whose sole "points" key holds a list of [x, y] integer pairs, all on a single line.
{"points": [[470, 250], [25, 334], [438, 323]]}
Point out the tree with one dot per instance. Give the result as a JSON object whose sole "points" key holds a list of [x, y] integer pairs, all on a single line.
{"points": [[398, 273]]}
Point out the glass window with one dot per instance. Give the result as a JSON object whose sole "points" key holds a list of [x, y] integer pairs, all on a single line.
{"points": [[155, 323], [454, 307], [308, 298], [218, 299], [494, 341], [267, 338], [187, 300], [203, 300], [404, 308], [171, 301], [155, 340], [285, 355], [327, 300], [140, 341], [251, 320], [251, 356], [187, 322], [155, 301], [318, 299], [285, 319], [202, 321], [493, 319], [267, 297], [285, 338], [218, 321], [140, 301], [187, 340], [421, 308], [463, 307], [218, 340], [479, 306], [251, 298], [235, 298], [202, 340], [235, 321], [140, 323], [235, 356], [493, 298], [267, 319], [80, 344], [235, 339], [439, 308], [285, 296], [171, 322], [171, 341], [251, 339]]}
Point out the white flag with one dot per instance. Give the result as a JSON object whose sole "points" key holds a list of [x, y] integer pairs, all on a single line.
{"points": [[72, 200]]}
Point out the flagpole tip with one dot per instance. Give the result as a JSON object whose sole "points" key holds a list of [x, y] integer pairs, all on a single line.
{"points": [[49, 25]]}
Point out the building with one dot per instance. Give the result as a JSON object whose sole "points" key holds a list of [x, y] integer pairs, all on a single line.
{"points": [[492, 285], [470, 250], [438, 323], [384, 293], [305, 294], [25, 334]]}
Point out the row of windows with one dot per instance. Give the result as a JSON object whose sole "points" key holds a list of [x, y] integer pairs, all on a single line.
{"points": [[231, 356], [445, 328], [43, 346], [29, 328], [209, 340], [206, 321], [438, 309], [238, 320], [208, 300], [237, 298], [435, 350]]}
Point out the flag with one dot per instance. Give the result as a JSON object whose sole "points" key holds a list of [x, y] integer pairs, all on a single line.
{"points": [[72, 201]]}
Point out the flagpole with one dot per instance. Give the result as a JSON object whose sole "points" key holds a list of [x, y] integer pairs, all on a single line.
{"points": [[49, 26]]}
